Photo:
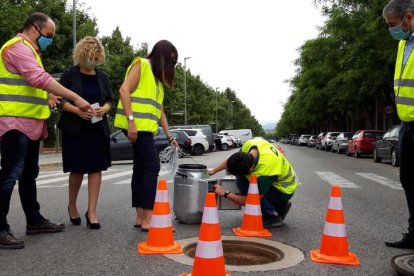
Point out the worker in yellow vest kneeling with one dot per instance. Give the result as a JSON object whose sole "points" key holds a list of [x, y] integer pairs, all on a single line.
{"points": [[276, 179]]}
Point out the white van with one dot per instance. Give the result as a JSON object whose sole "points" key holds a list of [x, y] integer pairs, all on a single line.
{"points": [[242, 134]]}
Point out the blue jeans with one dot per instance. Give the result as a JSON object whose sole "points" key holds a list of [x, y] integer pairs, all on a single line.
{"points": [[272, 201], [19, 162], [145, 171], [406, 152]]}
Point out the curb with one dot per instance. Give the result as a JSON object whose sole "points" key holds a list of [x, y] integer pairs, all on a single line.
{"points": [[50, 165]]}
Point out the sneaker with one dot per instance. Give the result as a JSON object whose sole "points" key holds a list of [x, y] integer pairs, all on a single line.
{"points": [[44, 226], [285, 211], [272, 221], [9, 241], [407, 242]]}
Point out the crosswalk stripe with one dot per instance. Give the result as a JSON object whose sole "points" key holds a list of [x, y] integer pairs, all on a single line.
{"points": [[382, 180], [123, 182], [111, 176], [334, 179], [50, 174]]}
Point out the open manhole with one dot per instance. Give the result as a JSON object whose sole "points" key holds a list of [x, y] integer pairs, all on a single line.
{"points": [[403, 264], [246, 254]]}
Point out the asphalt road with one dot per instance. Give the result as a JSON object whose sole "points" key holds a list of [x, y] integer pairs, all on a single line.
{"points": [[374, 206]]}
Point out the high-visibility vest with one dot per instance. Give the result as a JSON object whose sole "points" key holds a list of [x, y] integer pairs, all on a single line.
{"points": [[146, 101], [17, 97], [272, 163], [404, 85]]}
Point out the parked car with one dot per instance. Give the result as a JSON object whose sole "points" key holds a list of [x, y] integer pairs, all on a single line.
{"points": [[340, 144], [225, 142], [121, 147], [236, 141], [387, 147], [303, 139], [183, 140], [318, 142], [198, 140], [312, 141], [206, 129], [363, 142], [326, 142]]}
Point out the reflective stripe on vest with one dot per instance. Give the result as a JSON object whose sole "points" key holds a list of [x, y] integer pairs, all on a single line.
{"points": [[22, 99], [334, 230], [17, 97], [14, 81], [272, 163], [162, 196], [161, 221], [210, 215], [253, 210], [146, 100], [335, 203], [209, 250], [404, 85]]}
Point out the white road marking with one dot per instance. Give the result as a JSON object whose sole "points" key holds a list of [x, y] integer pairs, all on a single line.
{"points": [[111, 176], [334, 179], [396, 185], [123, 182]]}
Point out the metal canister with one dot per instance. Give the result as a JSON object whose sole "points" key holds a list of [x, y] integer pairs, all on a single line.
{"points": [[190, 187]]}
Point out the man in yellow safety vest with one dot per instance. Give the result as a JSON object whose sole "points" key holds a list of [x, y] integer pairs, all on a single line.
{"points": [[399, 16], [275, 176], [23, 113]]}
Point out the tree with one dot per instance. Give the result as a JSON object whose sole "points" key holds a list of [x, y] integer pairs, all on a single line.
{"points": [[344, 77]]}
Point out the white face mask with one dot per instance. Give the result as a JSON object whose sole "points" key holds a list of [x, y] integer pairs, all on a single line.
{"points": [[91, 64]]}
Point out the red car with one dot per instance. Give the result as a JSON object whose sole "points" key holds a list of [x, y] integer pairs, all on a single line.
{"points": [[363, 142]]}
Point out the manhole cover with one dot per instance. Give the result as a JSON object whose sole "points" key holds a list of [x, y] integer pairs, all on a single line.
{"points": [[244, 253], [403, 264]]}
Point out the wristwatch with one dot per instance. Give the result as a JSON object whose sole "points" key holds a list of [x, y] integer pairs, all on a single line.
{"points": [[226, 193], [130, 117]]}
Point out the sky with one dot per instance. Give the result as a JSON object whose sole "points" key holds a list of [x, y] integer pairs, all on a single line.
{"points": [[248, 46]]}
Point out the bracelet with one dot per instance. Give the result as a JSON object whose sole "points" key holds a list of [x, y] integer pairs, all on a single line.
{"points": [[170, 139]]}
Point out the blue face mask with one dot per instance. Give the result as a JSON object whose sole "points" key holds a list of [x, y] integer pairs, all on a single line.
{"points": [[44, 42], [398, 33]]}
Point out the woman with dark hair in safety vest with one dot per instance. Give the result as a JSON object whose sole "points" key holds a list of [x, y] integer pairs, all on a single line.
{"points": [[140, 111]]}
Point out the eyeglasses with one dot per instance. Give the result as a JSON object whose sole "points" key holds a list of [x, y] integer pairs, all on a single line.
{"points": [[37, 29]]}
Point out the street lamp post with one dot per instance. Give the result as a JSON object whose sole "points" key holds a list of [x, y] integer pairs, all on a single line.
{"points": [[231, 112], [217, 109], [74, 23], [185, 89]]}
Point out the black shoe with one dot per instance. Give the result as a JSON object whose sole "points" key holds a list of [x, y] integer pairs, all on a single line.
{"points": [[272, 221], [44, 226], [9, 241], [407, 242], [75, 221], [285, 211], [94, 226]]}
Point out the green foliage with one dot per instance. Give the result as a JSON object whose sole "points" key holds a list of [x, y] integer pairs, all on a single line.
{"points": [[201, 99], [344, 76]]}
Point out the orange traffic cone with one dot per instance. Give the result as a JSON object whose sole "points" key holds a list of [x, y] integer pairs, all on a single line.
{"points": [[209, 259], [252, 224], [334, 243], [160, 235]]}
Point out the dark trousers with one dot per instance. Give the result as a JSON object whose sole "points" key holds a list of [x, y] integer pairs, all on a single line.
{"points": [[19, 162], [145, 171], [273, 200], [406, 151]]}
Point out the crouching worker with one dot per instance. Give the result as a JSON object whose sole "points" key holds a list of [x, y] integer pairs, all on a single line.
{"points": [[275, 176]]}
